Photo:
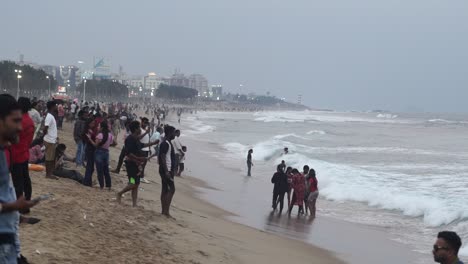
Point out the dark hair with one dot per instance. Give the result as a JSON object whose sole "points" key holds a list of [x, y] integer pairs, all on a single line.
{"points": [[288, 169], [134, 126], [168, 130], [306, 167], [250, 150], [34, 104], [144, 119], [80, 113], [37, 141], [8, 104], [177, 131], [279, 168], [51, 104], [105, 133], [25, 104], [184, 148], [295, 171], [312, 173], [61, 147], [282, 161], [452, 239], [87, 124]]}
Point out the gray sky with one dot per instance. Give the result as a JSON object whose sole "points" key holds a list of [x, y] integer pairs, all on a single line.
{"points": [[341, 54]]}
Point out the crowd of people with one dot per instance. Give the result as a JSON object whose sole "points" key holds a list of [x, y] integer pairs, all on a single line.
{"points": [[29, 135]]}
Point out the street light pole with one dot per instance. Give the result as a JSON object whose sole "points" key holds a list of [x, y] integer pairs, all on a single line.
{"points": [[18, 76], [48, 78], [84, 90]]}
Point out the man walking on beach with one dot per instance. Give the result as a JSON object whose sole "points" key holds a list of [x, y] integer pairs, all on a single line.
{"points": [[249, 162], [78, 132], [50, 139], [446, 248], [166, 159], [134, 161], [10, 126]]}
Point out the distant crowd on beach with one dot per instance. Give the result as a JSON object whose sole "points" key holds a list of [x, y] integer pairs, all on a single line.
{"points": [[30, 140]]}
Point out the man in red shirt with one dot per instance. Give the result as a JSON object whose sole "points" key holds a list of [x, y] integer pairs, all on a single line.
{"points": [[20, 153]]}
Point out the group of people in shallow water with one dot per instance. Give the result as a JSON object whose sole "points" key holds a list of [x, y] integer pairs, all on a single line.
{"points": [[303, 186]]}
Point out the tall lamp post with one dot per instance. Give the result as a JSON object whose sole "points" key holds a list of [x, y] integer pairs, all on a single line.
{"points": [[48, 78], [84, 90], [18, 76]]}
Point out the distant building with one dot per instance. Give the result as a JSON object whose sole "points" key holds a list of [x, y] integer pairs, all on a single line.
{"points": [[179, 79], [216, 91], [199, 83]]}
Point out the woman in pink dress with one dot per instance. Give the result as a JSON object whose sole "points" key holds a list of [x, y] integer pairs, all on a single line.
{"points": [[299, 186], [61, 115]]}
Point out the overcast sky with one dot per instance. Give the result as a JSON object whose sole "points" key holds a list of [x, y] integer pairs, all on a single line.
{"points": [[342, 54]]}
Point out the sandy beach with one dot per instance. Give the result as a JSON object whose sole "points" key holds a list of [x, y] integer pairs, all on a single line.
{"points": [[86, 225]]}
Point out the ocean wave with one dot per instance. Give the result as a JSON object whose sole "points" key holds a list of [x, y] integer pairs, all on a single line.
{"points": [[391, 116], [316, 116], [413, 197], [198, 127], [316, 132], [448, 122], [289, 135]]}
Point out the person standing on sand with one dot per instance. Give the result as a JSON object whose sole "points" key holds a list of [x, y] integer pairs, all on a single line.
{"points": [[280, 181], [179, 153], [446, 248], [298, 184], [103, 140], [312, 186], [78, 131], [144, 139], [10, 126], [133, 162], [249, 162], [50, 139], [89, 136], [20, 153], [289, 176], [305, 172], [166, 158]]}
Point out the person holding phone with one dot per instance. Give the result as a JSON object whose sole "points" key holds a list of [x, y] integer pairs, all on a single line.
{"points": [[10, 127]]}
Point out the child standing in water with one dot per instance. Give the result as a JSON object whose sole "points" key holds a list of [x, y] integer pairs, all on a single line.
{"points": [[182, 161]]}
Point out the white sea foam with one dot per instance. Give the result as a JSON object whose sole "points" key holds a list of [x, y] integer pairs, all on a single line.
{"points": [[289, 135], [316, 132], [197, 126], [316, 116], [391, 116], [413, 197]]}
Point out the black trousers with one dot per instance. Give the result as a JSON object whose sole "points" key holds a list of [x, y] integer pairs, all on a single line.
{"points": [[278, 197], [121, 159], [21, 180]]}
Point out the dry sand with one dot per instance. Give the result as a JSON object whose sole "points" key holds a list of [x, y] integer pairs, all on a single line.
{"points": [[86, 225]]}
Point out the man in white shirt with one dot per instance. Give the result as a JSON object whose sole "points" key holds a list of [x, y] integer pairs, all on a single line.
{"points": [[145, 151], [179, 153], [36, 117], [50, 139], [73, 107]]}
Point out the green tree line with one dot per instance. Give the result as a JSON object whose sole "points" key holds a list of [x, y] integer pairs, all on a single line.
{"points": [[103, 90], [175, 92], [33, 82]]}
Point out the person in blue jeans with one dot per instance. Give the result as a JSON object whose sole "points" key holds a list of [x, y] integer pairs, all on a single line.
{"points": [[78, 132], [89, 135], [103, 140]]}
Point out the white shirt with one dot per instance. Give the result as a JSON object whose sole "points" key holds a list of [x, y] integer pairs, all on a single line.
{"points": [[51, 136], [177, 146], [73, 108], [35, 116], [145, 140]]}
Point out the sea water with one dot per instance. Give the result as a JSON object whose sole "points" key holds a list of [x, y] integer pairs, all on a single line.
{"points": [[405, 173]]}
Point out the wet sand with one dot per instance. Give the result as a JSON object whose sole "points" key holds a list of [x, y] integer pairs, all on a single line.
{"points": [[86, 225]]}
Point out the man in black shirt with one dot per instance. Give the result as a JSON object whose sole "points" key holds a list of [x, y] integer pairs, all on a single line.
{"points": [[166, 158], [133, 161], [281, 185], [249, 162]]}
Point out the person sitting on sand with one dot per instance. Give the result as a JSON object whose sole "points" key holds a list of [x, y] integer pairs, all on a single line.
{"points": [[298, 184], [280, 181], [133, 161], [312, 186], [36, 152], [166, 159], [60, 170], [446, 248]]}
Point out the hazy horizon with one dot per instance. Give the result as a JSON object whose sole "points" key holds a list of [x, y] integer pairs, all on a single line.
{"points": [[345, 55]]}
